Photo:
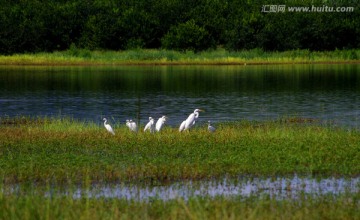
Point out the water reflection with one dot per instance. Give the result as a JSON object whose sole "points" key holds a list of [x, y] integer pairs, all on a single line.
{"points": [[279, 188], [325, 92]]}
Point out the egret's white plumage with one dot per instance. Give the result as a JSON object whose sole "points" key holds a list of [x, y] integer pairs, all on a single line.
{"points": [[182, 126], [160, 122], [211, 128], [190, 121], [131, 125], [108, 127], [150, 125]]}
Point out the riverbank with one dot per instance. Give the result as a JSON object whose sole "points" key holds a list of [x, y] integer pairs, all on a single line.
{"points": [[76, 56], [63, 150]]}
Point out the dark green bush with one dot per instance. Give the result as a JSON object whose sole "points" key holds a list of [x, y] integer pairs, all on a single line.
{"points": [[187, 36]]}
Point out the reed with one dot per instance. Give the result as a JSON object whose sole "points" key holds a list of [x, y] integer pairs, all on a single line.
{"points": [[77, 56]]}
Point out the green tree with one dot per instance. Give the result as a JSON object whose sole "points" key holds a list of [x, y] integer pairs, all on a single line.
{"points": [[187, 36], [48, 25]]}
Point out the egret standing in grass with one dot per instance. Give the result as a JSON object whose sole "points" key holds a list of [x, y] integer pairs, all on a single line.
{"points": [[190, 121], [131, 125], [182, 126], [211, 128], [160, 122], [150, 125], [108, 127]]}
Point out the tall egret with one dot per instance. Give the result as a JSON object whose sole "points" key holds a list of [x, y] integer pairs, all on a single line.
{"points": [[160, 122], [182, 126], [211, 128], [190, 121], [108, 127], [131, 125], [150, 125]]}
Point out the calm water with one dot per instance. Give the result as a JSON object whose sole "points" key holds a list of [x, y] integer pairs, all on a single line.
{"points": [[291, 188], [330, 93]]}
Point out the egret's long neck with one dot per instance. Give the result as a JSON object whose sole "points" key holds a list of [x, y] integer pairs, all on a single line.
{"points": [[105, 121], [196, 114]]}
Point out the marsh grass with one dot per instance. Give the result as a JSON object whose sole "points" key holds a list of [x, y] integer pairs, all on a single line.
{"points": [[62, 150], [59, 153], [77, 56], [38, 207]]}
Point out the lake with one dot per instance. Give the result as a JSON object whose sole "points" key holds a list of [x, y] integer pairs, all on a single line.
{"points": [[329, 93]]}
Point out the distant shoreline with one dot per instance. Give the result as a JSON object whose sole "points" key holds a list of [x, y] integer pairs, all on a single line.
{"points": [[177, 63], [83, 57]]}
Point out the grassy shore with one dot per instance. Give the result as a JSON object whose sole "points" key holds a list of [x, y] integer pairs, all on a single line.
{"points": [[57, 153], [75, 56], [63, 150]]}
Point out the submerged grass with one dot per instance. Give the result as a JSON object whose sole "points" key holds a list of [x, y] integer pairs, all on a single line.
{"points": [[75, 56], [68, 151]]}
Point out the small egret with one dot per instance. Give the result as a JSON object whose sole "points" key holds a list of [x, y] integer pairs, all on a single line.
{"points": [[108, 127], [131, 125], [211, 128], [150, 125], [190, 121], [160, 122]]}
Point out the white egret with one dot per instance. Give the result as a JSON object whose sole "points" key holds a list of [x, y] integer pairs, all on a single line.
{"points": [[211, 128], [182, 126], [150, 125], [131, 125], [160, 122], [190, 121], [108, 127]]}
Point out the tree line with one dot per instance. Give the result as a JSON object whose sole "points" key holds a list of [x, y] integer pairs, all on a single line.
{"points": [[49, 25]]}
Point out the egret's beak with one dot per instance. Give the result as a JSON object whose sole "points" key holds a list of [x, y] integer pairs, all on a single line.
{"points": [[200, 110]]}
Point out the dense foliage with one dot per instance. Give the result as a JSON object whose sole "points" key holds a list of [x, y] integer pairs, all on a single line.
{"points": [[48, 25]]}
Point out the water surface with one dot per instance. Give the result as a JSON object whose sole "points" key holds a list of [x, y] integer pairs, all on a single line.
{"points": [[280, 188], [330, 93]]}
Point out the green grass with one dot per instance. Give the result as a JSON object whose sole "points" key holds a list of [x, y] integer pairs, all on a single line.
{"points": [[58, 153], [38, 207], [64, 150], [76, 56]]}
